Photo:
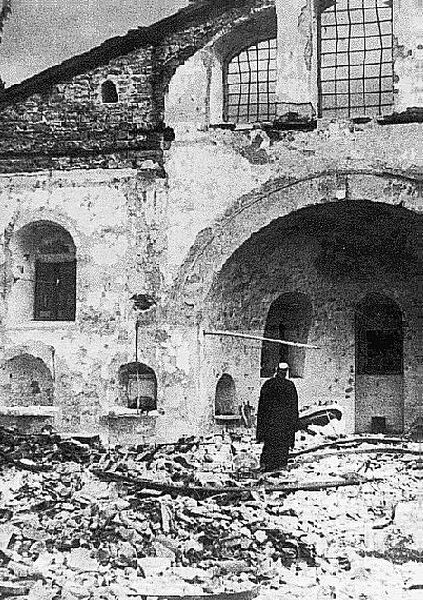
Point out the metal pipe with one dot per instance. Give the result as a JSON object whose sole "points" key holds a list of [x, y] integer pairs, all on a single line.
{"points": [[260, 339], [136, 340]]}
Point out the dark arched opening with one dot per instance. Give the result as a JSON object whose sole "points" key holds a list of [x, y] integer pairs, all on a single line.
{"points": [[44, 262], [289, 318], [109, 93], [25, 380], [138, 385], [225, 397]]}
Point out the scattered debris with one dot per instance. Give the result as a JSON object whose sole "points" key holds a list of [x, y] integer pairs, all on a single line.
{"points": [[196, 519]]}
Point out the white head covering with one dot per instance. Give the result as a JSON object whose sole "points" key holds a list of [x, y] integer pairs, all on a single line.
{"points": [[283, 366]]}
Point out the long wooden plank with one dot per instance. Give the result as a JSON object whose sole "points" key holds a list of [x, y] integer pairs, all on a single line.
{"points": [[247, 595], [259, 338], [205, 491], [347, 441]]}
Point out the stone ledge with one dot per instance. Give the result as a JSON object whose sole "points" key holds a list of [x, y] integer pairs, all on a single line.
{"points": [[128, 413], [28, 411], [227, 418], [28, 325]]}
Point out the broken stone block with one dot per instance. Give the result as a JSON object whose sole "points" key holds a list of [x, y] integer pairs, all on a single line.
{"points": [[9, 588], [126, 554], [80, 560], [41, 591], [6, 534], [152, 566]]}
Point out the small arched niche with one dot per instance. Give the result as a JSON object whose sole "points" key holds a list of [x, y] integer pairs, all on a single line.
{"points": [[44, 273], [289, 319], [225, 396], [26, 381], [109, 94], [138, 386]]}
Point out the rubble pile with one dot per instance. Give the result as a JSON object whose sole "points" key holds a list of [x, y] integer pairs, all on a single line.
{"points": [[69, 531]]}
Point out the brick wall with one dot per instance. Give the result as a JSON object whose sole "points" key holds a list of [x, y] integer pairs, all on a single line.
{"points": [[65, 125]]}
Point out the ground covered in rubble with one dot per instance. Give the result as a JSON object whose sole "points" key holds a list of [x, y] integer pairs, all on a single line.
{"points": [[79, 521]]}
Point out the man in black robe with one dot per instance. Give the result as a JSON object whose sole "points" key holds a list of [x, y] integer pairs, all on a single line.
{"points": [[277, 419]]}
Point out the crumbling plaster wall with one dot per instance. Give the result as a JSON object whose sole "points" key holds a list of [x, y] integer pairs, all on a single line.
{"points": [[255, 276], [115, 219], [211, 176], [249, 214], [221, 186], [408, 32], [194, 98]]}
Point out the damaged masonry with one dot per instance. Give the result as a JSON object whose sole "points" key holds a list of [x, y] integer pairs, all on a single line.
{"points": [[182, 209], [191, 520]]}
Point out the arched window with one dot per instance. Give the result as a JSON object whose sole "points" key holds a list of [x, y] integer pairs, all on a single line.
{"points": [[44, 265], [355, 57], [379, 337], [250, 84], [109, 93], [138, 386], [289, 318], [25, 381], [225, 397]]}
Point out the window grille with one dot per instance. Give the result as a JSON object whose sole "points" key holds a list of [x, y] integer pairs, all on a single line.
{"points": [[356, 58], [250, 84]]}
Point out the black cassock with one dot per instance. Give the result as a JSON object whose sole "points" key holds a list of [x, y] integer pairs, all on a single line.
{"points": [[277, 421]]}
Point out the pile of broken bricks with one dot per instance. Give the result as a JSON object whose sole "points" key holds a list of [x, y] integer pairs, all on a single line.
{"points": [[195, 519]]}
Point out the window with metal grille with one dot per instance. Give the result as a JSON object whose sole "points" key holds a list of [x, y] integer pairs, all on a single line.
{"points": [[250, 84], [356, 63]]}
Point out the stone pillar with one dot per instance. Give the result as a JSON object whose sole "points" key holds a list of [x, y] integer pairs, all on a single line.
{"points": [[408, 54], [294, 88]]}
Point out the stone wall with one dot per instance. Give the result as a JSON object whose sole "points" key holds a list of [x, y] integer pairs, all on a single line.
{"points": [[294, 259], [114, 219], [199, 224]]}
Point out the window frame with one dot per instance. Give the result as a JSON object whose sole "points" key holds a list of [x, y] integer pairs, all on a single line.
{"points": [[353, 111], [225, 72], [58, 304]]}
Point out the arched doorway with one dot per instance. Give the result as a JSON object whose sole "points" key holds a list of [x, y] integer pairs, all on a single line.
{"points": [[225, 397], [289, 318], [379, 365]]}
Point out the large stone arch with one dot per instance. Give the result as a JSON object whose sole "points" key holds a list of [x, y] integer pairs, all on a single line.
{"points": [[279, 198]]}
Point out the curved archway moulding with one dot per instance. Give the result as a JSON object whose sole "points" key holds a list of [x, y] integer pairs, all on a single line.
{"points": [[56, 218], [278, 198]]}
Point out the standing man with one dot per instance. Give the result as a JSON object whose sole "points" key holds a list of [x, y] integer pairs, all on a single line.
{"points": [[277, 419]]}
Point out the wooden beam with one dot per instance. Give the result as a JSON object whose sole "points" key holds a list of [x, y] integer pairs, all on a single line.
{"points": [[259, 338]]}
